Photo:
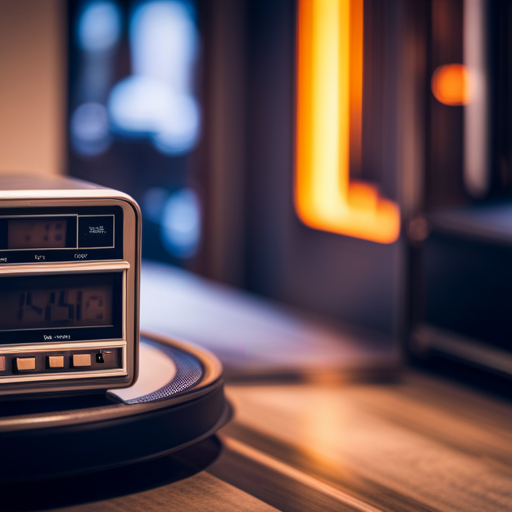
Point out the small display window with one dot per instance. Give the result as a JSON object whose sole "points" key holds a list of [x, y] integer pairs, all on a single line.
{"points": [[61, 234], [28, 233], [61, 307]]}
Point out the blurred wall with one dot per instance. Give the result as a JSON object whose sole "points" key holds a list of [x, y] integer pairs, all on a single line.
{"points": [[32, 86]]}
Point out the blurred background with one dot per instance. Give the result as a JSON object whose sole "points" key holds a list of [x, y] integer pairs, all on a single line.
{"points": [[326, 185]]}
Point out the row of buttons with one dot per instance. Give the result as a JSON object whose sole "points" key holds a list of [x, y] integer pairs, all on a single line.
{"points": [[29, 363], [56, 362]]}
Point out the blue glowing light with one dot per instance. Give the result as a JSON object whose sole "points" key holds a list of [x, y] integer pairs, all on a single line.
{"points": [[157, 100], [137, 105], [99, 26], [153, 203], [164, 42], [181, 223], [178, 130], [89, 129]]}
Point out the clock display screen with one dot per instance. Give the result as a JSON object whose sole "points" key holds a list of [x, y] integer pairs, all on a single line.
{"points": [[36, 234], [27, 233], [58, 302]]}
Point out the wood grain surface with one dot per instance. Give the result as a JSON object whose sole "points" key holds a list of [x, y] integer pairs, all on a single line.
{"points": [[199, 493], [418, 444]]}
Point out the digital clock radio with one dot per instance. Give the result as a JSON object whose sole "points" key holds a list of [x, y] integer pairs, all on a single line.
{"points": [[69, 286]]}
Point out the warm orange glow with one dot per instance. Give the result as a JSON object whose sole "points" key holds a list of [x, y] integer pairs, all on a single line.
{"points": [[329, 114], [450, 84], [356, 82]]}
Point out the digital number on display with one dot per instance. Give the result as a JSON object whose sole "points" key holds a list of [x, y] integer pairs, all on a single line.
{"points": [[36, 234], [70, 307]]}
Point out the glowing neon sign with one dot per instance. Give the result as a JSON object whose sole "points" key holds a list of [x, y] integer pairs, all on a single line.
{"points": [[329, 115]]}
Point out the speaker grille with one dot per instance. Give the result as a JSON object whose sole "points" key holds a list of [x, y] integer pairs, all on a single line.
{"points": [[189, 372]]}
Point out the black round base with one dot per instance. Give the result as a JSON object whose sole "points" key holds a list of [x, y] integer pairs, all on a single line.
{"points": [[53, 437]]}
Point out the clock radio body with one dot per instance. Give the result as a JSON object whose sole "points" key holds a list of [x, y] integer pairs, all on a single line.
{"points": [[69, 287]]}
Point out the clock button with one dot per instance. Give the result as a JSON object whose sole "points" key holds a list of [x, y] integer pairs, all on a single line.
{"points": [[56, 361], [81, 360], [26, 363]]}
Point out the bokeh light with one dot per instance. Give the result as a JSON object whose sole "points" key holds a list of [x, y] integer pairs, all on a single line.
{"points": [[450, 84]]}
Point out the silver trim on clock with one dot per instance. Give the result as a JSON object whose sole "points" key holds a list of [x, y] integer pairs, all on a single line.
{"points": [[34, 192]]}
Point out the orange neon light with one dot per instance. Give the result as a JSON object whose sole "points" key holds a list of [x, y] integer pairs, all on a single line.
{"points": [[450, 84], [329, 115]]}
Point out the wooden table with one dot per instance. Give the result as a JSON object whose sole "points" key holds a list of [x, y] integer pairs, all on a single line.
{"points": [[417, 444]]}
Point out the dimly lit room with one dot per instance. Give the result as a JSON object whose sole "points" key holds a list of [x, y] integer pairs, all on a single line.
{"points": [[254, 253]]}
